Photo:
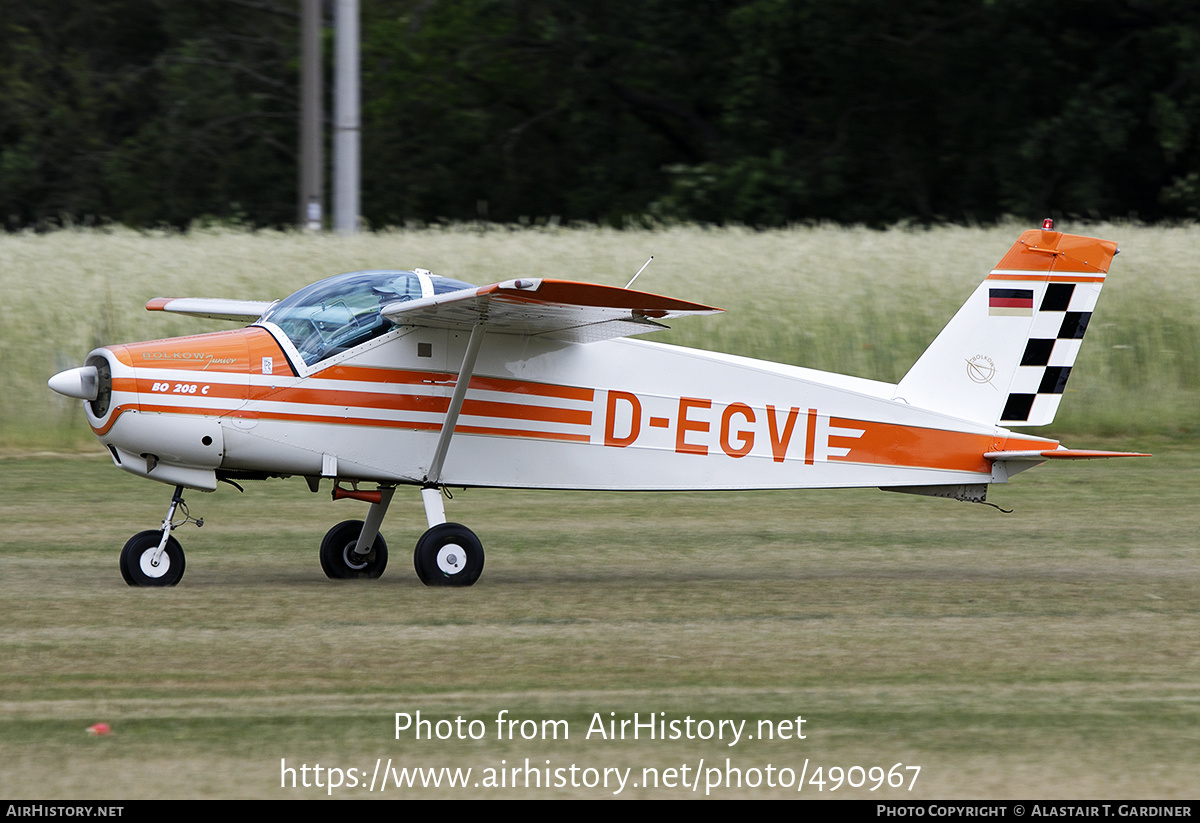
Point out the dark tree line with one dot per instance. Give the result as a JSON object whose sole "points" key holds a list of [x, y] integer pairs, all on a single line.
{"points": [[763, 112]]}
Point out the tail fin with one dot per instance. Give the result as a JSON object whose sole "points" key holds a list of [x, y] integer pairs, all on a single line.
{"points": [[1005, 357]]}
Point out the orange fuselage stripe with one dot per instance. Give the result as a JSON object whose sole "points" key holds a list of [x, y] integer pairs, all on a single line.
{"points": [[415, 425], [896, 445], [369, 374]]}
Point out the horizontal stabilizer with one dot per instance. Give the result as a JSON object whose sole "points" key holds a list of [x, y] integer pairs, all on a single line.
{"points": [[212, 308], [1057, 454], [558, 309]]}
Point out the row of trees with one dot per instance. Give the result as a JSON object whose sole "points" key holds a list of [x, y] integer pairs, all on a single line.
{"points": [[763, 112]]}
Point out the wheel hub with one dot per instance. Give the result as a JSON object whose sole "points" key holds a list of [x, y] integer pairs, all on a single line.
{"points": [[353, 560], [154, 568], [451, 558]]}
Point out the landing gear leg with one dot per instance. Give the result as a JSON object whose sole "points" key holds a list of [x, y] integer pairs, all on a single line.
{"points": [[435, 510], [448, 554], [154, 557], [354, 549]]}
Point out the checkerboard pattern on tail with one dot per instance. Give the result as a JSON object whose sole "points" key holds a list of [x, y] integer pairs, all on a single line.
{"points": [[1004, 359]]}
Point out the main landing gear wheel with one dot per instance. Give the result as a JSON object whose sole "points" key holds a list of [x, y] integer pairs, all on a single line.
{"points": [[339, 560], [448, 554], [137, 560]]}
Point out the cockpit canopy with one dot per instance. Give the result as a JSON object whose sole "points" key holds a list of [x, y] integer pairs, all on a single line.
{"points": [[342, 311]]}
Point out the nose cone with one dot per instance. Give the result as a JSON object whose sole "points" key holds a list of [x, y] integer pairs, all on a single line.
{"points": [[81, 382]]}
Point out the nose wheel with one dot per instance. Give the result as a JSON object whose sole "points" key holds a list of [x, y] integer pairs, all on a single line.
{"points": [[154, 557], [143, 565]]}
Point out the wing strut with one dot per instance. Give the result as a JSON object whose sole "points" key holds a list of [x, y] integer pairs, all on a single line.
{"points": [[456, 402]]}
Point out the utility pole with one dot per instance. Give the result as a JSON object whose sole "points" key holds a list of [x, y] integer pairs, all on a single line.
{"points": [[346, 120], [312, 178]]}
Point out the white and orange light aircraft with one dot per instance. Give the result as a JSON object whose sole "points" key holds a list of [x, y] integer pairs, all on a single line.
{"points": [[394, 378]]}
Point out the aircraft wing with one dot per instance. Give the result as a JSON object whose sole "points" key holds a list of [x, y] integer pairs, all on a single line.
{"points": [[212, 308], [558, 309]]}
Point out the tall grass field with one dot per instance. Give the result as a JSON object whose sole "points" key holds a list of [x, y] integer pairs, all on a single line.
{"points": [[848, 300]]}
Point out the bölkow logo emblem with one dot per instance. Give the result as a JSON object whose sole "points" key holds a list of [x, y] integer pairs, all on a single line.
{"points": [[981, 369]]}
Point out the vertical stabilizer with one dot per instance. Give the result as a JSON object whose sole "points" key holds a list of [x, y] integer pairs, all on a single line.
{"points": [[1005, 357]]}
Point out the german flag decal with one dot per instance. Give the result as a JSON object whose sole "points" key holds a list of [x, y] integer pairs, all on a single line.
{"points": [[1010, 302]]}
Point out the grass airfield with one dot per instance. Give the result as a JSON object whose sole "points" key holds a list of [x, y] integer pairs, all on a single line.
{"points": [[1050, 653]]}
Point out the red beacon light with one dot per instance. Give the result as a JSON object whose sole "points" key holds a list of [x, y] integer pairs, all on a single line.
{"points": [[1048, 224]]}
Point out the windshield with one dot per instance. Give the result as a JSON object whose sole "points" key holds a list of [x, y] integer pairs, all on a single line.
{"points": [[342, 311]]}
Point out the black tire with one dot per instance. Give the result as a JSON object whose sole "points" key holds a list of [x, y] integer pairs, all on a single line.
{"points": [[136, 556], [338, 547], [449, 554]]}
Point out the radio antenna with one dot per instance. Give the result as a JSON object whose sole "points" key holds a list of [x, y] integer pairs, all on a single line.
{"points": [[639, 271]]}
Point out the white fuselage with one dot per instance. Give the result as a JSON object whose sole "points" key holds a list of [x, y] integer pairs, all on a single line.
{"points": [[615, 414]]}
